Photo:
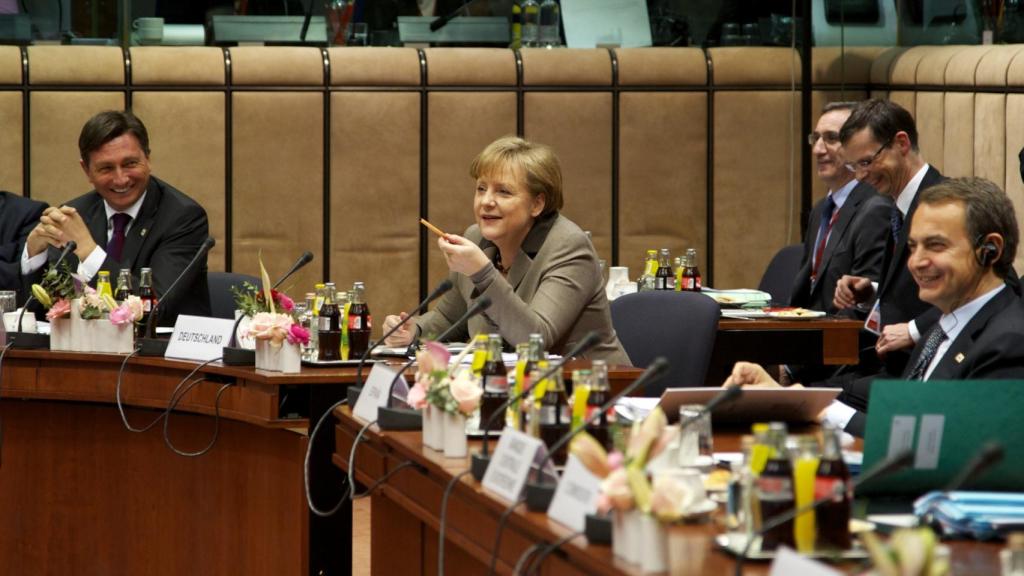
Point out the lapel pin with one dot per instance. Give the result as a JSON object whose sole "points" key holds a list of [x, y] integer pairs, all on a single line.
{"points": [[142, 232], [959, 357]]}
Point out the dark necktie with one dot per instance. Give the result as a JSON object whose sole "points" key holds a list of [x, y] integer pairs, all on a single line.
{"points": [[116, 244], [931, 345], [896, 225], [828, 217]]}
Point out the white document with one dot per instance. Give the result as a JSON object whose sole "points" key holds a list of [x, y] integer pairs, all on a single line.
{"points": [[511, 463], [788, 562], [929, 441], [901, 434], [375, 392], [576, 495], [589, 23], [199, 338]]}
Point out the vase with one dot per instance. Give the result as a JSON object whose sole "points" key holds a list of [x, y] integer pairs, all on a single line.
{"points": [[626, 535], [455, 445], [653, 545], [433, 427], [79, 335], [109, 338], [285, 358], [60, 334]]}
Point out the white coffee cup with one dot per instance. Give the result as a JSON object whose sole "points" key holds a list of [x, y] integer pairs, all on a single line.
{"points": [[149, 30], [28, 323]]}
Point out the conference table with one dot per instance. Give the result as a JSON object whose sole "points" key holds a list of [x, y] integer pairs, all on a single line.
{"points": [[406, 508]]}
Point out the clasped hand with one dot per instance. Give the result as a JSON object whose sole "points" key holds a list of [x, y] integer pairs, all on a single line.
{"points": [[852, 290], [56, 227]]}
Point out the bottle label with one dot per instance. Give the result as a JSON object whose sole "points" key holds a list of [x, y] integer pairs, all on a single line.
{"points": [[355, 322], [147, 305], [324, 323], [825, 487], [496, 383], [775, 488]]}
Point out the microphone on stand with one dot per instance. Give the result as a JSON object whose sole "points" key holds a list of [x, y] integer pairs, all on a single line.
{"points": [[880, 470], [444, 20], [24, 340], [151, 346], [234, 355], [482, 459], [988, 456], [540, 493], [389, 418]]}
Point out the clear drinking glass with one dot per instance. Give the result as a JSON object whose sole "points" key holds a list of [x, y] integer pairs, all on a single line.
{"points": [[696, 447]]}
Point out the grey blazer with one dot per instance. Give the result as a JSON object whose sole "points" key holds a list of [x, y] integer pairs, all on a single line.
{"points": [[554, 288]]}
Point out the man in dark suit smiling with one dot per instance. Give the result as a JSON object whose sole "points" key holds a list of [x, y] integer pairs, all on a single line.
{"points": [[17, 217], [130, 220]]}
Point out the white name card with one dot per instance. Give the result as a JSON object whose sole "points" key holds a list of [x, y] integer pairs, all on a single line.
{"points": [[199, 338], [375, 392], [788, 561], [510, 464], [576, 495]]}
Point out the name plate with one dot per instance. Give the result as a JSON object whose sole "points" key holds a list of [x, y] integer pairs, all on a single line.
{"points": [[199, 338], [788, 561], [510, 464], [375, 392], [576, 495]]}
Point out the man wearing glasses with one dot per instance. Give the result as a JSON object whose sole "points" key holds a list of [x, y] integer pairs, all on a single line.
{"points": [[848, 230], [879, 143]]}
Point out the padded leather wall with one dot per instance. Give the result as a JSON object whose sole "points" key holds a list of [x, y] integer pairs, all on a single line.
{"points": [[375, 197], [989, 151], [568, 67], [167, 65], [374, 66], [459, 126], [282, 66], [10, 65], [277, 182], [471, 66], [662, 66], [188, 143], [1014, 143], [76, 65], [55, 121], [11, 142]]}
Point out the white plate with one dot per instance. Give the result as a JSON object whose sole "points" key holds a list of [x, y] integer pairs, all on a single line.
{"points": [[808, 315], [734, 542], [703, 509]]}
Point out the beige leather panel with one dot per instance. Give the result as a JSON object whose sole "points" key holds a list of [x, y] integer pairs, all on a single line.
{"points": [[662, 175], [579, 128], [10, 65], [930, 117], [11, 143], [277, 176], [963, 66], [750, 66], [992, 70], [1015, 70], [757, 196], [82, 65], [662, 67], [959, 136], [990, 151], [566, 67], [932, 69], [833, 65], [1014, 142], [471, 67], [906, 99], [170, 65], [366, 66], [375, 198], [187, 142], [55, 121], [460, 125], [882, 67], [904, 67], [276, 66]]}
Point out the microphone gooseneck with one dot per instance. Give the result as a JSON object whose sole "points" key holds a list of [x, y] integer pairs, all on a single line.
{"points": [[203, 249], [306, 258], [990, 454]]}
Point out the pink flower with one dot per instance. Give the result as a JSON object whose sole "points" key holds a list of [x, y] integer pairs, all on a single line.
{"points": [[287, 304], [122, 315], [60, 309], [417, 397], [615, 459], [269, 326], [466, 392], [434, 356], [134, 304], [615, 488], [298, 335]]}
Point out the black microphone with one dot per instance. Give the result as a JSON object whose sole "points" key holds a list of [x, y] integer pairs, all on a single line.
{"points": [[988, 456], [444, 20], [441, 289], [539, 493], [880, 470], [482, 459], [156, 347], [306, 258], [305, 22], [393, 419], [22, 340]]}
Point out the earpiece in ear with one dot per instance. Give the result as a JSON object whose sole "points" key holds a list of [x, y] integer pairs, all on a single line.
{"points": [[988, 252]]}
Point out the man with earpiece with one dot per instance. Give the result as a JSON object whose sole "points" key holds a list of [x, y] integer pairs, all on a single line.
{"points": [[962, 241]]}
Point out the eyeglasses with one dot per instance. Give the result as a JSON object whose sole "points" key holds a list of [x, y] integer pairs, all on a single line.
{"points": [[830, 138], [861, 165]]}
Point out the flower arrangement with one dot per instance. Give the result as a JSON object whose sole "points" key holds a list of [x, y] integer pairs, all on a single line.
{"points": [[56, 290], [909, 552], [251, 300], [267, 323], [60, 286], [453, 391]]}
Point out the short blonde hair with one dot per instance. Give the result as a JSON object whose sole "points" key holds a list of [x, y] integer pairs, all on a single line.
{"points": [[536, 162]]}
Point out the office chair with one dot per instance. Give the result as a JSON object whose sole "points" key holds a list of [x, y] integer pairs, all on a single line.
{"points": [[781, 271], [222, 301]]}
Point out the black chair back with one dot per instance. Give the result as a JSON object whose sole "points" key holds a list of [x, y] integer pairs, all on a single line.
{"points": [[681, 326], [222, 301], [781, 272]]}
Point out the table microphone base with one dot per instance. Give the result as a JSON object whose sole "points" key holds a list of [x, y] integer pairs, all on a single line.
{"points": [[539, 496], [399, 419], [233, 356], [28, 340], [598, 529], [352, 393], [152, 346], [479, 464]]}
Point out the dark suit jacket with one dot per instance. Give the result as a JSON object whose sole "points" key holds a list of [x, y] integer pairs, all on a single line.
{"points": [[990, 347], [168, 232], [17, 218], [856, 246]]}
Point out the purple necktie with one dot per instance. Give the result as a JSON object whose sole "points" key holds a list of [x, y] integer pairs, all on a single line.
{"points": [[116, 244]]}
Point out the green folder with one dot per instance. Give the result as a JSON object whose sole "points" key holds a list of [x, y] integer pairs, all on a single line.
{"points": [[945, 423]]}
